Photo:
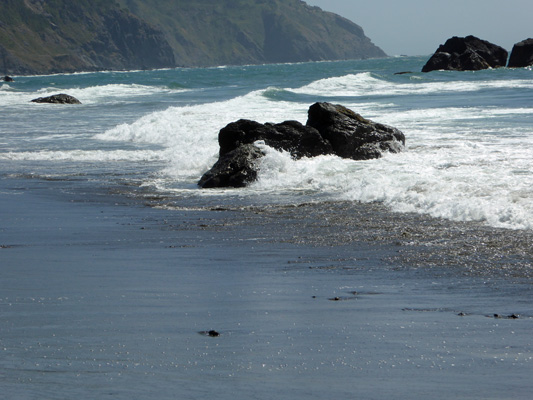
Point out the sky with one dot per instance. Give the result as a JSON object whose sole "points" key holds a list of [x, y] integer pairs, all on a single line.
{"points": [[418, 27]]}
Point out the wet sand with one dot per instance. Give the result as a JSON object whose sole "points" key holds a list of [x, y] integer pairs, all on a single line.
{"points": [[107, 297]]}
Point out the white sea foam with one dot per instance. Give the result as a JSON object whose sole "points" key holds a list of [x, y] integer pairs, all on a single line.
{"points": [[191, 133], [114, 92], [110, 93], [369, 84], [476, 188], [84, 155], [457, 166]]}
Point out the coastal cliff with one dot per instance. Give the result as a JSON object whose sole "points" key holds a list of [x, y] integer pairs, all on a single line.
{"points": [[52, 36]]}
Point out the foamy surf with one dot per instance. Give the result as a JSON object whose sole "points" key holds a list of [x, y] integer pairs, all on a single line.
{"points": [[85, 156], [372, 84], [98, 94], [468, 135], [456, 166]]}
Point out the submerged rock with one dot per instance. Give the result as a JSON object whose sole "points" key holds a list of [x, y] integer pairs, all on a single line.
{"points": [[522, 54], [466, 54], [330, 129], [57, 99]]}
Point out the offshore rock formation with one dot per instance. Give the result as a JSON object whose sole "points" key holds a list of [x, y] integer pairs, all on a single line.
{"points": [[522, 54], [42, 37], [57, 99], [466, 54], [330, 129]]}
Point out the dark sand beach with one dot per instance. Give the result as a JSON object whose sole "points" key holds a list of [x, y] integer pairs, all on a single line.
{"points": [[106, 296]]}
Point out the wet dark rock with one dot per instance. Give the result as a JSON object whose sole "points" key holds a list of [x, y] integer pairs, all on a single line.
{"points": [[291, 136], [211, 333], [7, 79], [511, 316], [235, 168], [522, 54], [466, 54], [57, 99], [330, 129], [351, 135]]}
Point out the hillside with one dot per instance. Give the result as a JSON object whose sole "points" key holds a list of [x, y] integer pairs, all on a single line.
{"points": [[48, 36]]}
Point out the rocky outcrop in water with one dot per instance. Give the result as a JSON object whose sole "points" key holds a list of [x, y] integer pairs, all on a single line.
{"points": [[330, 129], [522, 54], [7, 79], [351, 135], [300, 140], [236, 168], [57, 99], [466, 54]]}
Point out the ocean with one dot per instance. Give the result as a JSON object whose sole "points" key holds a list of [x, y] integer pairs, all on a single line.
{"points": [[469, 134], [115, 263]]}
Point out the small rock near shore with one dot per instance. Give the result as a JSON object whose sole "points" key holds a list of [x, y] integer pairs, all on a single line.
{"points": [[57, 99]]}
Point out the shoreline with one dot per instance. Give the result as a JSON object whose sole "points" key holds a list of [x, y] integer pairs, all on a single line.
{"points": [[108, 295]]}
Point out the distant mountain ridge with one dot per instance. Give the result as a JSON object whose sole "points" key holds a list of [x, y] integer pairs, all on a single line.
{"points": [[53, 36]]}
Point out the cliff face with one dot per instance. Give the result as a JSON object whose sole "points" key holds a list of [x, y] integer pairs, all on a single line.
{"points": [[49, 36], [219, 32]]}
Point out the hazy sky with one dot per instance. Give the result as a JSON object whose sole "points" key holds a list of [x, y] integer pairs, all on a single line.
{"points": [[418, 27]]}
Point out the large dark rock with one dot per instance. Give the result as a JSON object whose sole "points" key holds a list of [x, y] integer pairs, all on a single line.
{"points": [[291, 136], [57, 99], [330, 129], [522, 54], [351, 135], [7, 79], [466, 54]]}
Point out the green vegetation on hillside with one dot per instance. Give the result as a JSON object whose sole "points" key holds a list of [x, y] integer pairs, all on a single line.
{"points": [[46, 36], [207, 32], [38, 36]]}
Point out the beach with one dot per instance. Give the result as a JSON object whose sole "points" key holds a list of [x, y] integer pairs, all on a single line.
{"points": [[104, 296], [405, 277]]}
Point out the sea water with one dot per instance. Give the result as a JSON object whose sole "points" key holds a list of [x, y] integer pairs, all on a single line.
{"points": [[115, 264], [469, 134]]}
